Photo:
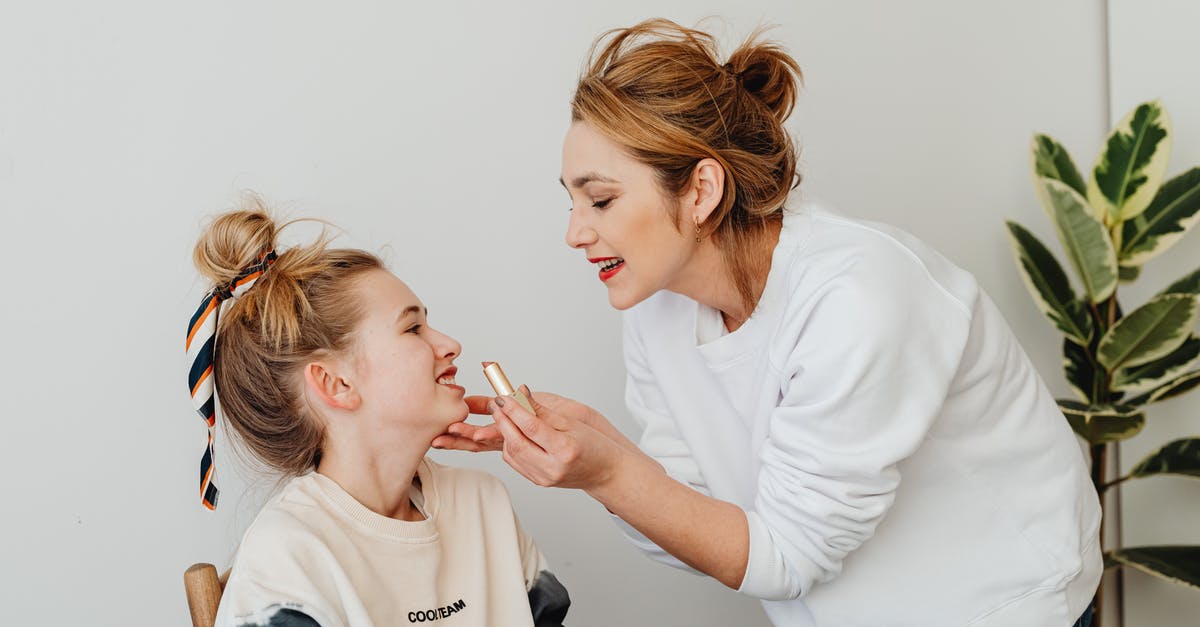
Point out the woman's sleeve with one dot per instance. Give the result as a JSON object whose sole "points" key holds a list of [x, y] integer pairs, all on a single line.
{"points": [[660, 440], [874, 358]]}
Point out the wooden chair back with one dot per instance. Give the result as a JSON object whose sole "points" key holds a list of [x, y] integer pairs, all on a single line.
{"points": [[203, 587]]}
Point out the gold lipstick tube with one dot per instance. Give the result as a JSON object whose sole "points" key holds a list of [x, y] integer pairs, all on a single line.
{"points": [[495, 376]]}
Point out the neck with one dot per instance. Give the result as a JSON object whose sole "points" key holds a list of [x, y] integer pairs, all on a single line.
{"points": [[708, 279], [377, 471]]}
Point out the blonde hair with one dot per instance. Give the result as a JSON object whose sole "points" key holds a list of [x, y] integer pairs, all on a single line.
{"points": [[302, 307], [659, 90]]}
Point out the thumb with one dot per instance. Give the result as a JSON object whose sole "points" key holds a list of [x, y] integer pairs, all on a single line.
{"points": [[537, 407], [545, 412]]}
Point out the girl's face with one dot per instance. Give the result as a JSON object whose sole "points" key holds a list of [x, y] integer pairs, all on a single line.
{"points": [[621, 219], [404, 368]]}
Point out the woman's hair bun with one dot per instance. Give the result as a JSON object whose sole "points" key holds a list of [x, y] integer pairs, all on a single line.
{"points": [[767, 72], [233, 241]]}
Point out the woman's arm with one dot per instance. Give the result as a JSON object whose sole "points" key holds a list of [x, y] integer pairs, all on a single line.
{"points": [[552, 449]]}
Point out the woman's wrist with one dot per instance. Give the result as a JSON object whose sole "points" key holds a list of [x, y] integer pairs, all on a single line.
{"points": [[628, 469]]}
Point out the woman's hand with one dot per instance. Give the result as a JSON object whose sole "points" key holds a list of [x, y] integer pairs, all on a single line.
{"points": [[555, 447], [552, 448], [463, 436]]}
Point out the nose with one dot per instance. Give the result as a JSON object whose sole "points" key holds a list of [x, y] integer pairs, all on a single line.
{"points": [[444, 346], [579, 233]]}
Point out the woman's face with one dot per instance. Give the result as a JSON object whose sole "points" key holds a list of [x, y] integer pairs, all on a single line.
{"points": [[621, 219], [403, 368]]}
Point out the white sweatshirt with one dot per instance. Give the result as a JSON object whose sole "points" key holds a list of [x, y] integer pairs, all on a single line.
{"points": [[316, 556], [898, 459]]}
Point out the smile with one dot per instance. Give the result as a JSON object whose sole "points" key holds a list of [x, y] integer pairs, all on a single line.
{"points": [[609, 267], [447, 379]]}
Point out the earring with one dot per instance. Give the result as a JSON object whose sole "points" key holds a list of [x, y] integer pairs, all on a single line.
{"points": [[697, 230]]}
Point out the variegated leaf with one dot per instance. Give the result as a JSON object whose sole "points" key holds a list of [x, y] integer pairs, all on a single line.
{"points": [[1172, 212], [1078, 369], [1128, 274], [1148, 332], [1051, 160], [1130, 170], [1138, 379], [1189, 284], [1181, 457], [1180, 384], [1102, 423], [1049, 286], [1180, 564], [1083, 237]]}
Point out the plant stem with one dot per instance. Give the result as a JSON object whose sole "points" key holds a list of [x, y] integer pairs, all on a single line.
{"points": [[1120, 530], [1115, 482], [1099, 465]]}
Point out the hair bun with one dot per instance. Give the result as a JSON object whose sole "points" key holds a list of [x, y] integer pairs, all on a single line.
{"points": [[768, 73], [233, 241]]}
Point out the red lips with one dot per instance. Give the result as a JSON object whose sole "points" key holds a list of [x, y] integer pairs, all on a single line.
{"points": [[605, 275]]}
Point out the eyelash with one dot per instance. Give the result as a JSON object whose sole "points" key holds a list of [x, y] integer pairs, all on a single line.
{"points": [[599, 204], [416, 328]]}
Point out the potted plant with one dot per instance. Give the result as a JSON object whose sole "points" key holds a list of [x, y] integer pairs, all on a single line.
{"points": [[1119, 362]]}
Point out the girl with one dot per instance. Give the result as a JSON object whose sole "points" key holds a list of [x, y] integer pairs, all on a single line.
{"points": [[328, 372]]}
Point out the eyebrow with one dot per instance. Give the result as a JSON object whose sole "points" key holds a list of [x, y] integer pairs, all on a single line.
{"points": [[412, 309], [588, 177]]}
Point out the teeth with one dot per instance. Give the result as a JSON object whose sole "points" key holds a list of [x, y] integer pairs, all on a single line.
{"points": [[609, 264], [446, 380]]}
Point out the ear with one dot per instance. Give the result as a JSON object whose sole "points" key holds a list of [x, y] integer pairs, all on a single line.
{"points": [[704, 191], [330, 387]]}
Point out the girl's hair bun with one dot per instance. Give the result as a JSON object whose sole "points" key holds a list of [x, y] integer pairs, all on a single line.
{"points": [[234, 241]]}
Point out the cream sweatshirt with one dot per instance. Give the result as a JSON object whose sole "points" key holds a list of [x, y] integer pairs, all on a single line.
{"points": [[316, 556]]}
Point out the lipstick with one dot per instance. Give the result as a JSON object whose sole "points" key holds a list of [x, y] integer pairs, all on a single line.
{"points": [[500, 383]]}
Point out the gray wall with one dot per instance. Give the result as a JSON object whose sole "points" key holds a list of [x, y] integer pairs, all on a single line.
{"points": [[430, 132]]}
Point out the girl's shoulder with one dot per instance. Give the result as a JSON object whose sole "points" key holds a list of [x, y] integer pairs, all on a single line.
{"points": [[458, 484]]}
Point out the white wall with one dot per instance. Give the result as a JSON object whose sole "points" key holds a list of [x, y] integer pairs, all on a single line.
{"points": [[430, 131], [1153, 54]]}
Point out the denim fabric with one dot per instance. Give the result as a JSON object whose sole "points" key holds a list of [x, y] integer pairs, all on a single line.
{"points": [[1086, 619]]}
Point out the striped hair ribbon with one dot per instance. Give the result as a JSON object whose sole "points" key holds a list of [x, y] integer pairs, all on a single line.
{"points": [[201, 342]]}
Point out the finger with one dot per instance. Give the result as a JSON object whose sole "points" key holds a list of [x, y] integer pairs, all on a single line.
{"points": [[547, 413], [456, 443], [513, 437], [468, 430], [537, 407], [516, 443], [547, 399], [478, 404], [543, 435], [489, 433]]}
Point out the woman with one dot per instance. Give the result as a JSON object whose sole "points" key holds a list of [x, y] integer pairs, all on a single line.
{"points": [[836, 419], [329, 374]]}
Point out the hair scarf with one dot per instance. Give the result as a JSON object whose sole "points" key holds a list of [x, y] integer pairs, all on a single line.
{"points": [[200, 348]]}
